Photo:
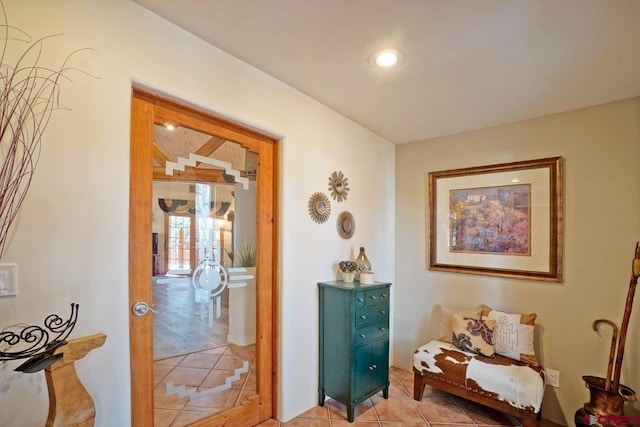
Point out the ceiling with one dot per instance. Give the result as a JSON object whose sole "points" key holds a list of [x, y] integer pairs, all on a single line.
{"points": [[469, 64]]}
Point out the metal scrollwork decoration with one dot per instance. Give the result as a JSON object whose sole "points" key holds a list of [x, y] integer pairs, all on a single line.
{"points": [[338, 186], [40, 342], [319, 207]]}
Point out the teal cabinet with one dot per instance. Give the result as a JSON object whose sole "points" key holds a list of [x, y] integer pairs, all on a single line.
{"points": [[354, 342]]}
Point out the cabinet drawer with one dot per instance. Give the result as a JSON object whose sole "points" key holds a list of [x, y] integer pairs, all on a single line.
{"points": [[360, 299], [368, 315], [369, 333], [376, 296], [371, 297]]}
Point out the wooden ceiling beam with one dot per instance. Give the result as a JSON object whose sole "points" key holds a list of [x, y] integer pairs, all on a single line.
{"points": [[209, 147], [190, 174], [159, 155]]}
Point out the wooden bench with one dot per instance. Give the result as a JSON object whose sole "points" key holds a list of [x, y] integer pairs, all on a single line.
{"points": [[510, 386]]}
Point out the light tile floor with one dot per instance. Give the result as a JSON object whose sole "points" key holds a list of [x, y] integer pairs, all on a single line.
{"points": [[436, 409], [201, 371], [209, 368]]}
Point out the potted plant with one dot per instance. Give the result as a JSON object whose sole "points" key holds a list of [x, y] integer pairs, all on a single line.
{"points": [[348, 269], [247, 254]]}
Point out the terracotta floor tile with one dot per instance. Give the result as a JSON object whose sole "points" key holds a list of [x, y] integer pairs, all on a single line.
{"points": [[159, 371], [362, 412], [483, 415], [452, 425], [251, 382], [405, 378], [199, 360], [307, 422], [187, 417], [437, 408], [186, 376], [215, 350], [240, 382], [431, 392], [164, 401], [246, 352], [317, 412], [443, 411], [269, 423], [229, 362], [423, 424], [398, 410], [169, 361], [216, 377], [345, 423], [213, 402], [244, 395], [397, 390], [164, 417]]}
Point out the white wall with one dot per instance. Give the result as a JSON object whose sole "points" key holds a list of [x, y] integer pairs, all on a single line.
{"points": [[71, 240], [601, 148]]}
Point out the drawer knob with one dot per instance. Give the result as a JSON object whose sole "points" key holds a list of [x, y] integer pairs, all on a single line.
{"points": [[383, 312], [373, 297], [363, 336], [382, 329], [384, 295], [360, 299], [363, 317], [372, 367]]}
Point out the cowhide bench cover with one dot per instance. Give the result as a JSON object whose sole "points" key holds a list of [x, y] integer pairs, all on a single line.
{"points": [[506, 384]]}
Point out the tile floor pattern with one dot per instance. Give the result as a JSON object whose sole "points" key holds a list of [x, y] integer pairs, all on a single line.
{"points": [[436, 409], [202, 370]]}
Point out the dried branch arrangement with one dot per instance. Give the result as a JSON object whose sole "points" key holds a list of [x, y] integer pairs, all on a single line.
{"points": [[29, 93]]}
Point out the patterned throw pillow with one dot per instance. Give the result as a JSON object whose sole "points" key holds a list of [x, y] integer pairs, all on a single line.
{"points": [[473, 335], [513, 334], [446, 313]]}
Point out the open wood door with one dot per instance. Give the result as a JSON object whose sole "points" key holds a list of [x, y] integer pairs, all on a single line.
{"points": [[147, 111]]}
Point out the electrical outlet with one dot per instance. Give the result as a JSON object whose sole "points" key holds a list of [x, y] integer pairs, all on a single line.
{"points": [[553, 378]]}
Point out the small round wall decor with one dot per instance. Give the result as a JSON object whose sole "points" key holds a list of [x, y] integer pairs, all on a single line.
{"points": [[319, 207], [338, 186], [346, 225]]}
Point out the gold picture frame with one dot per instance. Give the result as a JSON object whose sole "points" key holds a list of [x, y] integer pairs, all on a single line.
{"points": [[500, 220]]}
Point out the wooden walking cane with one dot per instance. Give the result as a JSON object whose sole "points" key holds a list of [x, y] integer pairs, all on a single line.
{"points": [[635, 273], [612, 352]]}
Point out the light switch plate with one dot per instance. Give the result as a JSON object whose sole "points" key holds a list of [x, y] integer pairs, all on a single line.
{"points": [[8, 280]]}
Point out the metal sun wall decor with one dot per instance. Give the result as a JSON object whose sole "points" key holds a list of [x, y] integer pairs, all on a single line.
{"points": [[319, 207], [346, 225], [338, 186], [40, 342]]}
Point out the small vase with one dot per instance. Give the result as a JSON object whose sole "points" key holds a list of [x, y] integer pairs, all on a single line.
{"points": [[362, 262], [348, 277]]}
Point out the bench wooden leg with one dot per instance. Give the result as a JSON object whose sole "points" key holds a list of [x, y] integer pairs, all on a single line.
{"points": [[418, 385], [528, 419]]}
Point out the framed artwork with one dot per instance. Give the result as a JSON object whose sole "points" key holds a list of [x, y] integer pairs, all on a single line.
{"points": [[500, 220]]}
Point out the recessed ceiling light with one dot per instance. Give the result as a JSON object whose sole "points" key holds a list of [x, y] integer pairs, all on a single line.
{"points": [[386, 59]]}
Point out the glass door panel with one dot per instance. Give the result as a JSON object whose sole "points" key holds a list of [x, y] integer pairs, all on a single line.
{"points": [[205, 218]]}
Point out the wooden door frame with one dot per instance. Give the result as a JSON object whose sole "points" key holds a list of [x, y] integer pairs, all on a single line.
{"points": [[146, 110]]}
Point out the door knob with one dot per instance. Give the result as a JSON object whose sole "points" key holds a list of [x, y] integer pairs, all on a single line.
{"points": [[141, 308]]}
